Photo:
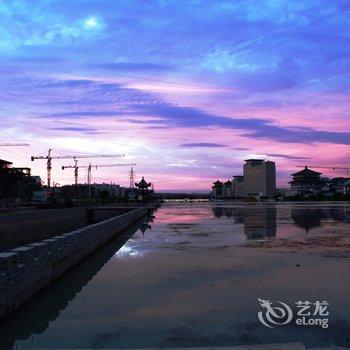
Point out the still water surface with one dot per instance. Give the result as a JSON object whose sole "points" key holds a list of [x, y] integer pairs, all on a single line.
{"points": [[184, 279]]}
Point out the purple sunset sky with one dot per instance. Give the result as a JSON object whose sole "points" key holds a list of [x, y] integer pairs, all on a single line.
{"points": [[186, 89]]}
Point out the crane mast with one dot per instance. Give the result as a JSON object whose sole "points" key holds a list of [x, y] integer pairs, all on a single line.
{"points": [[49, 159], [132, 176]]}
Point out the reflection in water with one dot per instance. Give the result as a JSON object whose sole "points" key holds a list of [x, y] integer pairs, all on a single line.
{"points": [[188, 282], [34, 316], [259, 224], [261, 221], [309, 218], [238, 215], [127, 251], [145, 227]]}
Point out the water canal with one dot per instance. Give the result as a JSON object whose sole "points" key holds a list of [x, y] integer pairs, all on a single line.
{"points": [[186, 278]]}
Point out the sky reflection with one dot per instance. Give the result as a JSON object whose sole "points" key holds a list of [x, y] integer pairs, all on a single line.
{"points": [[192, 284]]}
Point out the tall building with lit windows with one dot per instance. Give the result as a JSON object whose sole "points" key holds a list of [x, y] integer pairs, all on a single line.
{"points": [[259, 178]]}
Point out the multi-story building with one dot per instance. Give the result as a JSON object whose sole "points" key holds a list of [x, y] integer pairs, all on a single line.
{"points": [[17, 182], [347, 187], [237, 186], [259, 178], [227, 189], [338, 184], [94, 191], [306, 181]]}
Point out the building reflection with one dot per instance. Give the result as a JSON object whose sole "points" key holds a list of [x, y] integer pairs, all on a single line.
{"points": [[144, 227], [238, 215], [219, 211], [259, 221], [309, 218], [34, 316]]}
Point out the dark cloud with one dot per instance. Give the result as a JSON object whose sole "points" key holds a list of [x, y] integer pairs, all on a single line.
{"points": [[79, 114], [131, 67], [202, 145], [128, 102], [240, 149], [252, 127], [75, 129], [141, 121], [286, 156], [69, 83], [157, 127]]}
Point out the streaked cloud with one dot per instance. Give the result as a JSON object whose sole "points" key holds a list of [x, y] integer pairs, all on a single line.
{"points": [[287, 156], [131, 67], [202, 145], [217, 79]]}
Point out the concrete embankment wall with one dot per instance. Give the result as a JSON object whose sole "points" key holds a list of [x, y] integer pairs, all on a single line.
{"points": [[97, 214], [27, 269], [24, 228]]}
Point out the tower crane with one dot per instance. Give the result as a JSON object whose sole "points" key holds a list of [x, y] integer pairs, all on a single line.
{"points": [[89, 167], [326, 167], [132, 176], [49, 159]]}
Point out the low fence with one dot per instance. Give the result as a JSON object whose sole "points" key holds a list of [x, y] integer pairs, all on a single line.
{"points": [[27, 269]]}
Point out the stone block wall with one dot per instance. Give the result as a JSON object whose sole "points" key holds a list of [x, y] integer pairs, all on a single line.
{"points": [[27, 269], [27, 227]]}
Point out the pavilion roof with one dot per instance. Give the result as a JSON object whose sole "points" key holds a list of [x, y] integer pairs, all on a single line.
{"points": [[217, 183], [143, 183], [306, 171]]}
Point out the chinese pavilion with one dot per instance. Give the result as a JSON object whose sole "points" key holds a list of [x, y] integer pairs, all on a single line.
{"points": [[144, 193], [307, 181], [217, 190]]}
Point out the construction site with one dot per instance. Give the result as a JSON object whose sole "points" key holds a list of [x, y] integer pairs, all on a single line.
{"points": [[20, 189], [46, 229]]}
